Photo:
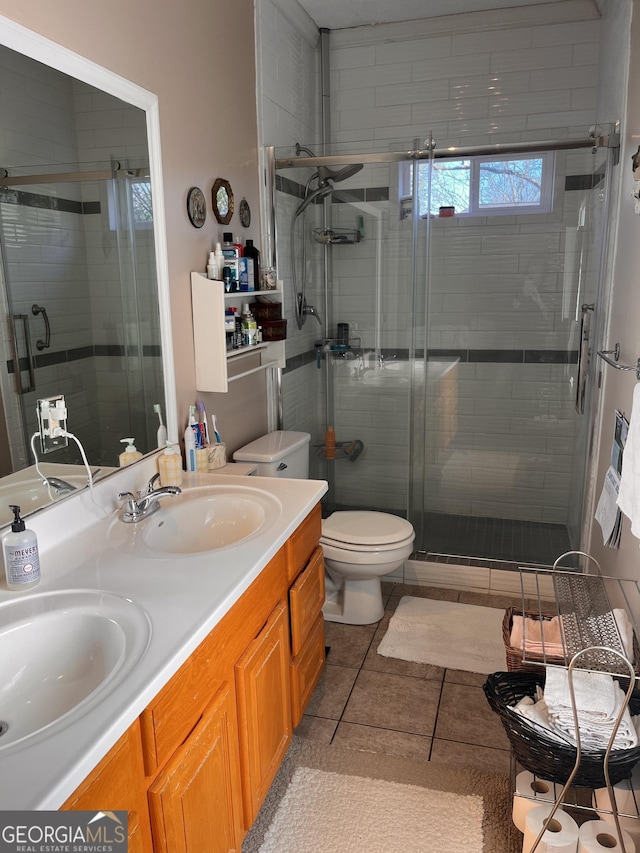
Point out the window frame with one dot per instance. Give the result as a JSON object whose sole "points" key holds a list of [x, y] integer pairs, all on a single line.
{"points": [[476, 162]]}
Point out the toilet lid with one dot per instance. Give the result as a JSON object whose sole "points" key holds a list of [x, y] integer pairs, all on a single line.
{"points": [[361, 527]]}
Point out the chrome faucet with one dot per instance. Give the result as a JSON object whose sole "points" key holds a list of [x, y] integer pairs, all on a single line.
{"points": [[142, 506], [59, 485]]}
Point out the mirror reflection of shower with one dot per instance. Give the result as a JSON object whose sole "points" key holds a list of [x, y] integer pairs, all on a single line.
{"points": [[319, 186]]}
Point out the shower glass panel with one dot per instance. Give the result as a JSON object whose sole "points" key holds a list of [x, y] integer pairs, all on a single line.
{"points": [[352, 370], [460, 288], [82, 249]]}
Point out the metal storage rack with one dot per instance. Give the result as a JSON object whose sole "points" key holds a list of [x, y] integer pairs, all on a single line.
{"points": [[591, 641]]}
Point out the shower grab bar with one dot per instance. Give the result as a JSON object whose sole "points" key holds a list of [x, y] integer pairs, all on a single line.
{"points": [[613, 362], [15, 318], [46, 343]]}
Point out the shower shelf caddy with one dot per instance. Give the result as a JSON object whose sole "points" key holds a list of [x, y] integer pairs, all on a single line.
{"points": [[596, 643], [216, 366]]}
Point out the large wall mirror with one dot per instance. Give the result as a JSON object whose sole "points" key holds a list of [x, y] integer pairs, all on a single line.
{"points": [[83, 282]]}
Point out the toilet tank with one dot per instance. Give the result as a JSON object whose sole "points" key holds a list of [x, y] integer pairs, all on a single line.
{"points": [[282, 453]]}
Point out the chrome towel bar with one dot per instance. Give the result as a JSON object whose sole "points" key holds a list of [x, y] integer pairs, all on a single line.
{"points": [[613, 362]]}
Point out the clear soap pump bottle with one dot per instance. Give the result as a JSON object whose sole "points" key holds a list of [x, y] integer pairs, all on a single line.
{"points": [[21, 556]]}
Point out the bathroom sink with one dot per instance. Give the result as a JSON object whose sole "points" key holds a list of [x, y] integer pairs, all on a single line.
{"points": [[61, 653], [200, 520]]}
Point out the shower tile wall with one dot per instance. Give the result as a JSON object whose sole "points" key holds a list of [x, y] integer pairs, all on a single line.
{"points": [[469, 80]]}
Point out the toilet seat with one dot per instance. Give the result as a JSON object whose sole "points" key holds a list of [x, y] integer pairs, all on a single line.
{"points": [[366, 531]]}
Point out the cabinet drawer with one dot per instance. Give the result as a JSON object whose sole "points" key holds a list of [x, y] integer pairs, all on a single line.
{"points": [[306, 598], [303, 542], [306, 669]]}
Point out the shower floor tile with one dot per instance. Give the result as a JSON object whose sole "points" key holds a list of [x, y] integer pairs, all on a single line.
{"points": [[502, 539]]}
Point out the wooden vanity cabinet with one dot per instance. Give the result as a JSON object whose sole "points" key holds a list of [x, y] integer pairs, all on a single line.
{"points": [[118, 783], [195, 768]]}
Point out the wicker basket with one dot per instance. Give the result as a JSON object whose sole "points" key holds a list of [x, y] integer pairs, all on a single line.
{"points": [[535, 662], [544, 756], [515, 663]]}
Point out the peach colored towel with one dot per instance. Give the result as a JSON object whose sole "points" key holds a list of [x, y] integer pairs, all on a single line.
{"points": [[539, 636]]}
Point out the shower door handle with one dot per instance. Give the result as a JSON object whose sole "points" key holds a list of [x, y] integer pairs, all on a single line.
{"points": [[583, 357], [46, 343], [15, 319]]}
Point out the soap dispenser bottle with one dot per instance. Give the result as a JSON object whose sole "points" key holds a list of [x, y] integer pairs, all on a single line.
{"points": [[170, 466], [129, 454], [20, 551]]}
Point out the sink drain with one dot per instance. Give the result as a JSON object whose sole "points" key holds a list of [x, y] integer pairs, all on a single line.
{"points": [[4, 727]]}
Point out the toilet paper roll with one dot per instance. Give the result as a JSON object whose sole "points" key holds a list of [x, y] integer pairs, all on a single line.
{"points": [[597, 836], [627, 794], [627, 802], [530, 791], [561, 836]]}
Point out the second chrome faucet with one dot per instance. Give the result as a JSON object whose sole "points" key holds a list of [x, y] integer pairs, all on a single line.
{"points": [[144, 505]]}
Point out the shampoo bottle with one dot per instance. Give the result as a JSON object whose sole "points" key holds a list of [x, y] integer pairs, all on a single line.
{"points": [[170, 466], [20, 551], [129, 454], [250, 251]]}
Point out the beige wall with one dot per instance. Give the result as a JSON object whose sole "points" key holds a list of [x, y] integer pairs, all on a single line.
{"points": [[198, 58], [624, 321]]}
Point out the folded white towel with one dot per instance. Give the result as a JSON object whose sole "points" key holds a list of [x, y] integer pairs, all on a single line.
{"points": [[599, 700], [629, 492], [595, 728], [594, 692]]}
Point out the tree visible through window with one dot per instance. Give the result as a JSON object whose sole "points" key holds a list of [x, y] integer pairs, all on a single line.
{"points": [[486, 185]]}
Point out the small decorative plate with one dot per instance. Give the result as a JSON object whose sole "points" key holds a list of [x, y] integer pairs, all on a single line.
{"points": [[245, 213], [196, 207]]}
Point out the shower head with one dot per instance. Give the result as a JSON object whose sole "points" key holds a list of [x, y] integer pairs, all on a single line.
{"points": [[320, 191], [324, 173]]}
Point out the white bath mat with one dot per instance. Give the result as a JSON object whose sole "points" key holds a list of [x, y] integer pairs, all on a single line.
{"points": [[323, 812], [445, 633]]}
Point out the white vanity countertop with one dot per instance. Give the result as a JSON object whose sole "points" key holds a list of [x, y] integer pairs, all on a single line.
{"points": [[183, 597]]}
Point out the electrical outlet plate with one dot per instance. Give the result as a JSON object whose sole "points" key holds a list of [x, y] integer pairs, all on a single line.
{"points": [[49, 421]]}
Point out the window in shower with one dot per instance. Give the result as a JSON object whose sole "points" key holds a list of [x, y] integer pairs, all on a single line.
{"points": [[483, 186]]}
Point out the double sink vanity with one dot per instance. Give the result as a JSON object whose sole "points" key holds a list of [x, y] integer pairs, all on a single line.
{"points": [[160, 666]]}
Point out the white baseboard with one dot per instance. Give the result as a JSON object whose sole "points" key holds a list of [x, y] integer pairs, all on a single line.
{"points": [[477, 579]]}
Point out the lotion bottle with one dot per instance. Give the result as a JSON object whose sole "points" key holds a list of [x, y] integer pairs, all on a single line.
{"points": [[170, 466], [21, 557], [129, 454]]}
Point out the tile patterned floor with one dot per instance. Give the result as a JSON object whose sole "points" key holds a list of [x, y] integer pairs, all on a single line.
{"points": [[369, 702]]}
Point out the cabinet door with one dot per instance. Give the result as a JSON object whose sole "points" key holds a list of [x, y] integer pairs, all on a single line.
{"points": [[306, 669], [264, 709], [196, 801], [306, 598], [118, 783]]}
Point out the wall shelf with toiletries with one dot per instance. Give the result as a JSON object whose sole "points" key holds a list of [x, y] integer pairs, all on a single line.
{"points": [[216, 366], [598, 635]]}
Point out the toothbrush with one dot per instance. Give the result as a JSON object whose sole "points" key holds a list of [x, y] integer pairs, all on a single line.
{"points": [[215, 431], [161, 439], [202, 423]]}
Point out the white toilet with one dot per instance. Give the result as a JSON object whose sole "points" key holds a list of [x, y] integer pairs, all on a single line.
{"points": [[359, 546]]}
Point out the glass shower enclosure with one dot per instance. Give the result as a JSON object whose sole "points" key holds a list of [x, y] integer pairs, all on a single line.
{"points": [[445, 308], [80, 307]]}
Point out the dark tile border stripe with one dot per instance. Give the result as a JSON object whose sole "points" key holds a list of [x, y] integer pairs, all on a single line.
{"points": [[473, 356], [48, 359], [48, 202]]}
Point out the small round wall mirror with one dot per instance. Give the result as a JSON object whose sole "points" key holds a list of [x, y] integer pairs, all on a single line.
{"points": [[222, 201]]}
